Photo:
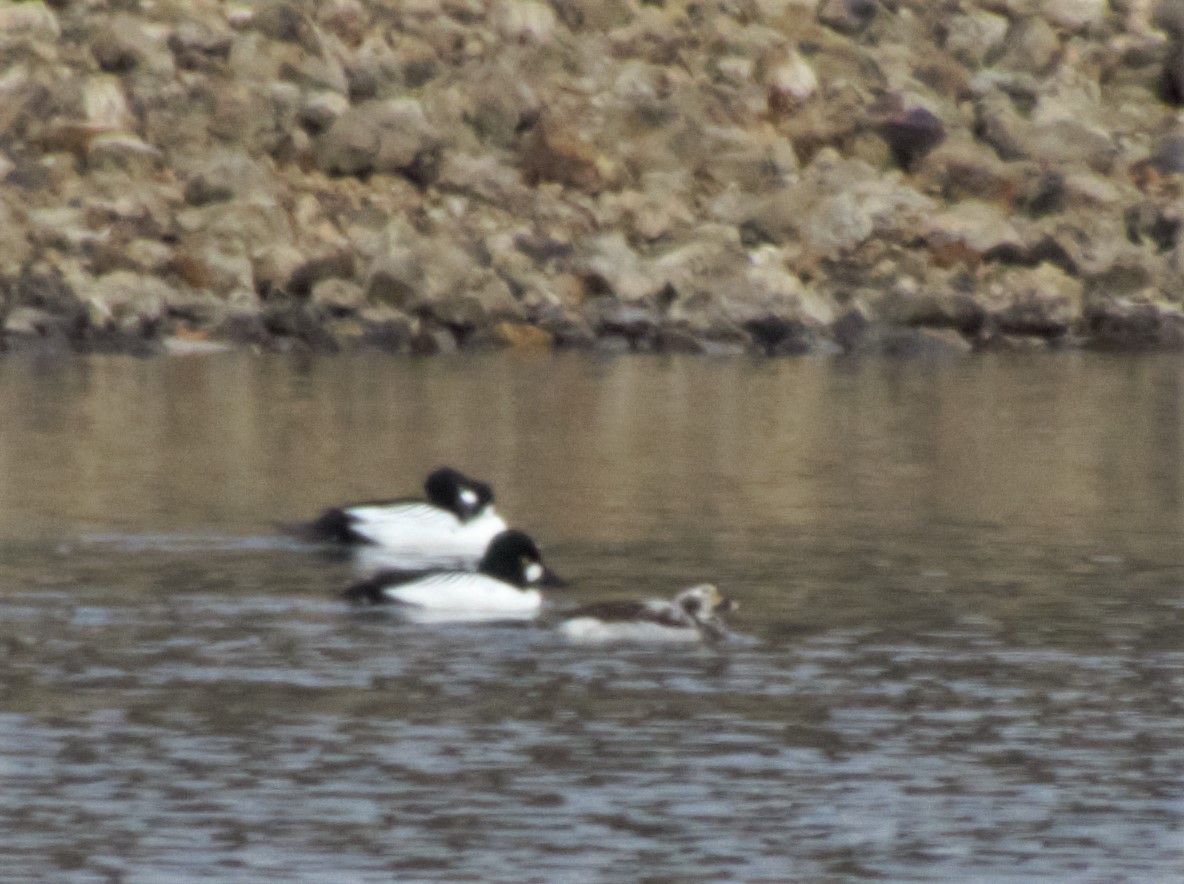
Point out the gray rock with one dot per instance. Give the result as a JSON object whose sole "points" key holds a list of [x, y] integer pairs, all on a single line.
{"points": [[1032, 46], [1040, 301], [125, 300], [381, 136], [945, 300], [338, 296], [387, 329], [1168, 156], [974, 36], [847, 16], [199, 47], [974, 229], [1076, 14], [337, 266], [28, 21], [432, 341], [1126, 324]]}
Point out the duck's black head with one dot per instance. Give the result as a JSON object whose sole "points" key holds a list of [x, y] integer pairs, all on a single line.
{"points": [[513, 557], [454, 491]]}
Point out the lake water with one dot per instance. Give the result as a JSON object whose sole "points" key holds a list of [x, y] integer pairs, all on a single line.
{"points": [[959, 653]]}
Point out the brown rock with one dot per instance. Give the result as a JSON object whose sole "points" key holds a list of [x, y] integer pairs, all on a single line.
{"points": [[552, 152], [523, 337]]}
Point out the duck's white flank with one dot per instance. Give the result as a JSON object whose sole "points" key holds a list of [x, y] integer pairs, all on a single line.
{"points": [[590, 630], [422, 528], [476, 594]]}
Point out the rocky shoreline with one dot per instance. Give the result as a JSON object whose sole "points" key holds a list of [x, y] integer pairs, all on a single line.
{"points": [[712, 176]]}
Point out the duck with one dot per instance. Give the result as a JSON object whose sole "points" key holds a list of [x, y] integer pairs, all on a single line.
{"points": [[506, 585], [456, 521], [693, 615]]}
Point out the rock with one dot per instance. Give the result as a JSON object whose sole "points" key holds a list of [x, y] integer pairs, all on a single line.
{"points": [[305, 278], [284, 21], [431, 341], [1125, 324], [1168, 156], [756, 160], [194, 344], [911, 135], [835, 206], [484, 177], [1032, 46], [523, 337], [553, 152], [125, 301], [524, 21], [998, 124], [847, 16], [611, 266], [789, 79], [28, 321], [1043, 193], [126, 153], [1154, 223], [1070, 142], [971, 38], [290, 323], [387, 329], [381, 136], [15, 247], [634, 324], [942, 300], [482, 300], [1041, 301], [671, 176], [1055, 135], [970, 232], [105, 105], [777, 336], [851, 330], [348, 20], [28, 20], [1076, 15], [197, 47], [321, 109], [338, 296], [966, 170]]}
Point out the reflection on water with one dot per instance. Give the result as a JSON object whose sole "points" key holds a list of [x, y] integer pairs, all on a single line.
{"points": [[962, 622]]}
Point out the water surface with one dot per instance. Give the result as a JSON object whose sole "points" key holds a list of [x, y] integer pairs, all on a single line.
{"points": [[960, 651]]}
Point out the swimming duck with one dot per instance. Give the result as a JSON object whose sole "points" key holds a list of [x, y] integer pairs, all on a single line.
{"points": [[504, 586], [457, 520], [693, 615]]}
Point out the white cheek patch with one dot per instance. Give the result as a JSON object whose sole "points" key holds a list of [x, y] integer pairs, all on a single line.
{"points": [[468, 496], [533, 572]]}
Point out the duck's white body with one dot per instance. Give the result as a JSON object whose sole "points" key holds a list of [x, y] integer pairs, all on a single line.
{"points": [[590, 630], [473, 594], [505, 586], [423, 529], [691, 617]]}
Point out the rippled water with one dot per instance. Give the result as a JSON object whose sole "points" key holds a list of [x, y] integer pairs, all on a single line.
{"points": [[959, 653]]}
